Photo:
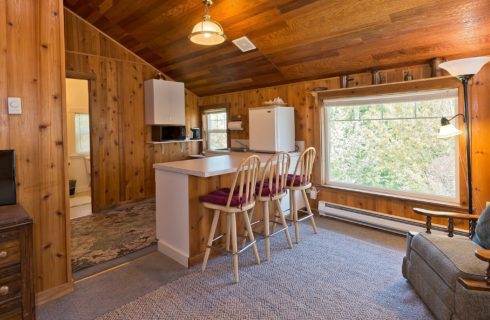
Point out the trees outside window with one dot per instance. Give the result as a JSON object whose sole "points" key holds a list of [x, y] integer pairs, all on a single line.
{"points": [[389, 144]]}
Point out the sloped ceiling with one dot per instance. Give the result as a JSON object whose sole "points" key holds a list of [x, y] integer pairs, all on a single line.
{"points": [[295, 39]]}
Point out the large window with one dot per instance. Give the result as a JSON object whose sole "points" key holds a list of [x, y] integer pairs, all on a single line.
{"points": [[82, 133], [215, 127], [389, 144]]}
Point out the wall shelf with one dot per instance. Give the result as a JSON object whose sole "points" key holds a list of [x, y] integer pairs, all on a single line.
{"points": [[174, 141]]}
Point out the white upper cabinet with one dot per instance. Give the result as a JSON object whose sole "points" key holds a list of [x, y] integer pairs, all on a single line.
{"points": [[164, 102]]}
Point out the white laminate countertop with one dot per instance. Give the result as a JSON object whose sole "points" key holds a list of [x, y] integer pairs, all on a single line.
{"points": [[211, 166]]}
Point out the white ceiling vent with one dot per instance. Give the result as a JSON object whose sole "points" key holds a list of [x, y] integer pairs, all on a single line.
{"points": [[244, 44]]}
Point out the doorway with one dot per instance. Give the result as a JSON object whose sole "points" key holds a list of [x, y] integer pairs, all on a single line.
{"points": [[78, 133]]}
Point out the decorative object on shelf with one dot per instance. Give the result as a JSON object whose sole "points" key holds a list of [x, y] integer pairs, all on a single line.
{"points": [[408, 76], [344, 81], [207, 32], [157, 75], [376, 76], [436, 70], [276, 102], [464, 70]]}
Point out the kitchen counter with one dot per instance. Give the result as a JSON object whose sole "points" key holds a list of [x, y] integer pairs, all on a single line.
{"points": [[210, 166], [182, 223]]}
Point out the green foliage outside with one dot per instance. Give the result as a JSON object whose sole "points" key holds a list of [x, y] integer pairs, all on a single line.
{"points": [[393, 146]]}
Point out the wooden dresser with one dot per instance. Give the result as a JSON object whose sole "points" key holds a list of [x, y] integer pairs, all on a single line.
{"points": [[16, 264]]}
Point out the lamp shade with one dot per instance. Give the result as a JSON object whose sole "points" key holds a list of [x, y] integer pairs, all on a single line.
{"points": [[462, 67], [207, 33], [448, 131]]}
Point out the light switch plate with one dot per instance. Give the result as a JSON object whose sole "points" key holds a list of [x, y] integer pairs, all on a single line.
{"points": [[14, 105]]}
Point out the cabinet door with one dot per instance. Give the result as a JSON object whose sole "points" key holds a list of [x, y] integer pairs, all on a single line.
{"points": [[164, 102], [176, 103], [262, 129]]}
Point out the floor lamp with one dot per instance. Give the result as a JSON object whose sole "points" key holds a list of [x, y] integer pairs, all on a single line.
{"points": [[464, 70]]}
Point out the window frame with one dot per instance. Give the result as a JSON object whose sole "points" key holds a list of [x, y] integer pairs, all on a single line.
{"points": [[206, 109], [324, 139]]}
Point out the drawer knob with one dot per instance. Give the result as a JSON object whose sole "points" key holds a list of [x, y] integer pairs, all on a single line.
{"points": [[3, 254], [4, 290]]}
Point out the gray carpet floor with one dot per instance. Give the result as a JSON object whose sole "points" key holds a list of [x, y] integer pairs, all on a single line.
{"points": [[344, 272]]}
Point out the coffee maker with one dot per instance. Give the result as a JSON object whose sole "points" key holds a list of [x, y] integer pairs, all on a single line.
{"points": [[196, 133]]}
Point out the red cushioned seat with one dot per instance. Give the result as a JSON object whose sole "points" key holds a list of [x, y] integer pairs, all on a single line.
{"points": [[220, 197], [267, 189], [298, 181]]}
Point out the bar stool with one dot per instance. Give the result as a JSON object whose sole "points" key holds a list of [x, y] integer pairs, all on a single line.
{"points": [[240, 198], [300, 181], [271, 189]]}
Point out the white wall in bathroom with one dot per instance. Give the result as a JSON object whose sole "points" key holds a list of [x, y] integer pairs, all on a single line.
{"points": [[77, 101]]}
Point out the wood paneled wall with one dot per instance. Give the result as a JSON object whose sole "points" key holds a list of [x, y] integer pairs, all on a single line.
{"points": [[121, 159], [32, 67], [308, 129]]}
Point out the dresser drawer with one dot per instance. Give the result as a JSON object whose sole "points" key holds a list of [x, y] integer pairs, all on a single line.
{"points": [[9, 252], [11, 310], [10, 286]]}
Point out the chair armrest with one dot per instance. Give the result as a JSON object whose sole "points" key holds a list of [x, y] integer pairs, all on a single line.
{"points": [[445, 214], [472, 284], [483, 255], [429, 214]]}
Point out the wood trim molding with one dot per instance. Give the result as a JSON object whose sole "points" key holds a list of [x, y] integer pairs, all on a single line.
{"points": [[80, 75], [449, 205], [387, 88], [54, 293], [203, 108], [64, 116]]}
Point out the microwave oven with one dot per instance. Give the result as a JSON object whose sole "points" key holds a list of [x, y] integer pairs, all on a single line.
{"points": [[166, 133]]}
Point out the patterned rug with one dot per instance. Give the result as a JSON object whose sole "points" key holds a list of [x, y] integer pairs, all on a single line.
{"points": [[327, 276], [101, 237]]}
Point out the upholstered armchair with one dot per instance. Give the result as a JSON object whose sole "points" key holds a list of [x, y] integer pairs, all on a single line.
{"points": [[450, 274]]}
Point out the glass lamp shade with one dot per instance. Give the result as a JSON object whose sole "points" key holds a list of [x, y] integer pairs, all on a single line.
{"points": [[207, 33], [448, 131], [462, 67]]}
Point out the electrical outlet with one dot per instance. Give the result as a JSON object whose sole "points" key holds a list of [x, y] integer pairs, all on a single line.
{"points": [[313, 193], [487, 204]]}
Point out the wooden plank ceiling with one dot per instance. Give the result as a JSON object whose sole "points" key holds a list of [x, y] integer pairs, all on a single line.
{"points": [[295, 39]]}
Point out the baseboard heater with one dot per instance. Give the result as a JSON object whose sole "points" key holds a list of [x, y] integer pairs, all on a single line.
{"points": [[386, 222]]}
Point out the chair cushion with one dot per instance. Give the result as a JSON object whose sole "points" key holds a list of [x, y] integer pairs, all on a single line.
{"points": [[482, 235], [450, 258], [220, 197], [269, 189], [298, 181]]}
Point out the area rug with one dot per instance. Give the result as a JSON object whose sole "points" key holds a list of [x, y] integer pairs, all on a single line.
{"points": [[104, 236], [327, 276]]}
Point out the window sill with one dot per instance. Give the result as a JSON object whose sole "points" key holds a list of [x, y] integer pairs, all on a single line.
{"points": [[450, 205]]}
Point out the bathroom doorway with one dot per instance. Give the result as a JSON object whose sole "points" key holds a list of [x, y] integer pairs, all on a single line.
{"points": [[78, 133]]}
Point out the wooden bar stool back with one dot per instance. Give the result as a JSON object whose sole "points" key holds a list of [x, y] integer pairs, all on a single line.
{"points": [[300, 181], [240, 198], [271, 189]]}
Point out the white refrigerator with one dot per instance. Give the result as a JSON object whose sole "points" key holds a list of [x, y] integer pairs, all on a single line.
{"points": [[271, 129]]}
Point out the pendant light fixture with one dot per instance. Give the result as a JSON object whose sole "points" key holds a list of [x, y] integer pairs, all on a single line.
{"points": [[207, 32]]}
